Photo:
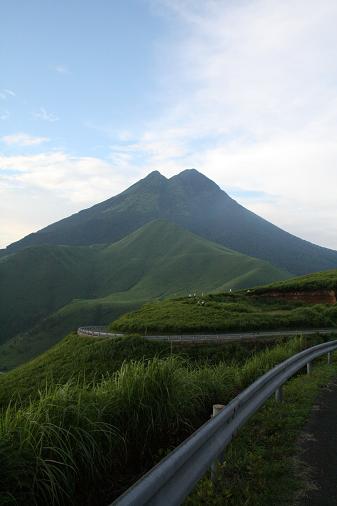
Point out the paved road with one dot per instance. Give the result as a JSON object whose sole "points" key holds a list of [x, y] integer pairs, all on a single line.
{"points": [[100, 331], [319, 449]]}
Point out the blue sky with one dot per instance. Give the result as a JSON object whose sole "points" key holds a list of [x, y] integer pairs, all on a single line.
{"points": [[86, 64], [94, 95]]}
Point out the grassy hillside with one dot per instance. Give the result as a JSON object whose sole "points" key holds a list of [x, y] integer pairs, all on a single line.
{"points": [[37, 281], [47, 332], [195, 202], [311, 282], [76, 414], [225, 312], [90, 359], [57, 288], [244, 310]]}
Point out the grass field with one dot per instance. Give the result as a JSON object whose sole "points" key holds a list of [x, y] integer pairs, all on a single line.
{"points": [[48, 291], [326, 280], [260, 467], [158, 260], [91, 359], [225, 312], [88, 400]]}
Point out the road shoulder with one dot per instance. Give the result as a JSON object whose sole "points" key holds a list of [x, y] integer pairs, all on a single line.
{"points": [[318, 451]]}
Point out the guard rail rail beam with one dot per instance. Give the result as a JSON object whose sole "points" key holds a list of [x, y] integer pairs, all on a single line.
{"points": [[173, 479]]}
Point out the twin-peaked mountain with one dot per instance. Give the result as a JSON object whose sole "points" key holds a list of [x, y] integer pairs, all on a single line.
{"points": [[196, 203], [159, 238]]}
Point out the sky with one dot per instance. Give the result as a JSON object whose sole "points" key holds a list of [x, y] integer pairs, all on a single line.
{"points": [[95, 95]]}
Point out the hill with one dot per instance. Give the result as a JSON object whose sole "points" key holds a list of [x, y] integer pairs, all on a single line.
{"points": [[298, 303], [196, 203], [318, 281], [91, 359], [74, 419], [49, 290]]}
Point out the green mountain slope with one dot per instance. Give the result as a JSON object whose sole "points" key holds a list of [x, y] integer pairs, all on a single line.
{"points": [[318, 281], [199, 205], [27, 345], [37, 281], [243, 310], [50, 290]]}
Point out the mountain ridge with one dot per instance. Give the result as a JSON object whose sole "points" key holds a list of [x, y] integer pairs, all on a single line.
{"points": [[196, 203]]}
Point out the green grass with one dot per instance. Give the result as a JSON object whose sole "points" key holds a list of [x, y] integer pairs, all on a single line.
{"points": [[196, 203], [74, 440], [260, 467], [326, 280], [90, 358], [225, 312], [48, 291], [50, 330]]}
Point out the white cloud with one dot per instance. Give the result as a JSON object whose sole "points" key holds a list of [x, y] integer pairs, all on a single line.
{"points": [[251, 101], [60, 69], [44, 115], [4, 115], [46, 187], [5, 93], [248, 96], [22, 139], [11, 93]]}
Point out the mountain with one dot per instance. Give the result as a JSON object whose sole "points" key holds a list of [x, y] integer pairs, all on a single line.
{"points": [[50, 290], [196, 203]]}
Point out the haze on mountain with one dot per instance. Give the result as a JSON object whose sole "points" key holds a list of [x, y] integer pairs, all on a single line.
{"points": [[159, 238], [196, 203]]}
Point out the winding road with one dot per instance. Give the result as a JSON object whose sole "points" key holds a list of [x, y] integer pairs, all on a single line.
{"points": [[101, 331]]}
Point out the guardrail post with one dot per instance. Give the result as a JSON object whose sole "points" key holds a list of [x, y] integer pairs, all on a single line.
{"points": [[279, 394], [309, 368], [216, 410], [329, 358]]}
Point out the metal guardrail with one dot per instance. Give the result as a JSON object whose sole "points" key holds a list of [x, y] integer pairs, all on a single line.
{"points": [[97, 331], [170, 481], [101, 331]]}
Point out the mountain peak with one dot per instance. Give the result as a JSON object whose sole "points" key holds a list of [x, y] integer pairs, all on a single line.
{"points": [[155, 174], [195, 179]]}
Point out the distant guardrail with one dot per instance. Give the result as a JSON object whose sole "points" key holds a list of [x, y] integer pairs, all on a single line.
{"points": [[98, 331], [101, 331], [170, 481]]}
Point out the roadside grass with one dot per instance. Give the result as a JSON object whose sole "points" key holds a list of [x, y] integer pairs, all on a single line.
{"points": [[90, 359], [225, 312], [85, 442], [260, 468]]}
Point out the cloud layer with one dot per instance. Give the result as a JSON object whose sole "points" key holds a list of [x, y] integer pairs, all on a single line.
{"points": [[22, 139]]}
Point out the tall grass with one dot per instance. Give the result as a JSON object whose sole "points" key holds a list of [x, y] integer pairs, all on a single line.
{"points": [[82, 444]]}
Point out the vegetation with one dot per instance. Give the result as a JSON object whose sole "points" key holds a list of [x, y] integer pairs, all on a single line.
{"points": [[55, 289], [225, 312], [90, 359], [260, 466], [74, 438], [196, 203], [27, 345], [326, 280]]}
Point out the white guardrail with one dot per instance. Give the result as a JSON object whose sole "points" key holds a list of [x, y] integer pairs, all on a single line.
{"points": [[170, 481]]}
